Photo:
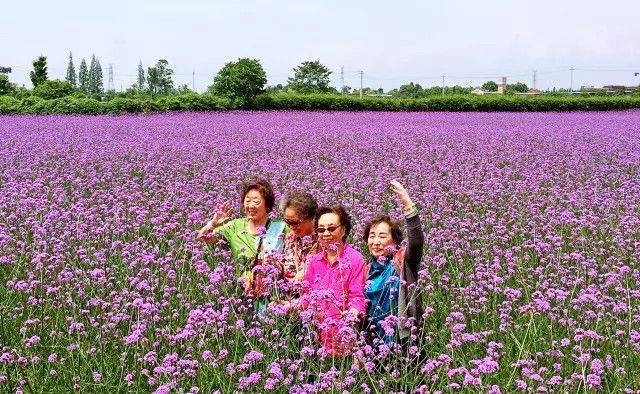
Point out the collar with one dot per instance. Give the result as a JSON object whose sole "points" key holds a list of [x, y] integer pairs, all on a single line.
{"points": [[292, 236], [340, 255], [388, 258]]}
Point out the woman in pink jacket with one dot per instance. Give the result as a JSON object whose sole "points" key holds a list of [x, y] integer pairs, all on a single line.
{"points": [[334, 282]]}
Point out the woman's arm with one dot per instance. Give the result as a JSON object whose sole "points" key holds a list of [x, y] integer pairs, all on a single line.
{"points": [[415, 238], [415, 235]]}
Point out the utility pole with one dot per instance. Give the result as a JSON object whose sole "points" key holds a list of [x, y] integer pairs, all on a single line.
{"points": [[534, 78], [110, 81], [341, 79], [361, 77], [443, 84], [193, 80], [571, 85]]}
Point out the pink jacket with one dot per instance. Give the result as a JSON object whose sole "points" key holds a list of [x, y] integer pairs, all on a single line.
{"points": [[333, 288]]}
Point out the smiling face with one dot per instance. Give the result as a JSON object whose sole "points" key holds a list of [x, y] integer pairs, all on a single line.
{"points": [[254, 206], [379, 238], [330, 230], [300, 226]]}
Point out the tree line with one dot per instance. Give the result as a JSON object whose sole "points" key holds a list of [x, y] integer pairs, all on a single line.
{"points": [[240, 81]]}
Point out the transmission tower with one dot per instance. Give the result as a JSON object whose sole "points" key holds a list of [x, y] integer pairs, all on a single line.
{"points": [[535, 72], [342, 79]]}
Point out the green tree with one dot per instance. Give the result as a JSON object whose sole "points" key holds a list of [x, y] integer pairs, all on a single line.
{"points": [[409, 90], [71, 72], [39, 73], [275, 89], [310, 77], [95, 85], [6, 87], [184, 89], [518, 87], [159, 78], [240, 81], [141, 78], [490, 86], [457, 89], [83, 77], [152, 80]]}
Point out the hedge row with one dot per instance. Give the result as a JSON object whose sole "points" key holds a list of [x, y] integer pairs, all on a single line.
{"points": [[288, 101], [445, 103], [118, 105]]}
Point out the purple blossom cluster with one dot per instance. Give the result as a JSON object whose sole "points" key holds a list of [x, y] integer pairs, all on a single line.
{"points": [[530, 277]]}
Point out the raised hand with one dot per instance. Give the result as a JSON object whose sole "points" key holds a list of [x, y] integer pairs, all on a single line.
{"points": [[222, 214], [402, 194]]}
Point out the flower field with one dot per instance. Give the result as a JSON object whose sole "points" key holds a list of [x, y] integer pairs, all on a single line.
{"points": [[531, 270]]}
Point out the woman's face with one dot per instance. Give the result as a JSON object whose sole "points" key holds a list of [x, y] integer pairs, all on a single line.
{"points": [[301, 227], [254, 206], [329, 229], [379, 239]]}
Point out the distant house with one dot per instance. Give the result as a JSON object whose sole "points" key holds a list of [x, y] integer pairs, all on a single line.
{"points": [[478, 91], [531, 92], [619, 89], [589, 88], [378, 94]]}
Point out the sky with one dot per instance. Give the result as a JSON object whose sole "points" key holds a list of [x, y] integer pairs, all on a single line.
{"points": [[392, 42]]}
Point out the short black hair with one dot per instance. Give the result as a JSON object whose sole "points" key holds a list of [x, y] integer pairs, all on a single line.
{"points": [[303, 203], [396, 229], [264, 188], [345, 219]]}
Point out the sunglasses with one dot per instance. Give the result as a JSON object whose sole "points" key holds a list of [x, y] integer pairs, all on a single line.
{"points": [[331, 229], [292, 223]]}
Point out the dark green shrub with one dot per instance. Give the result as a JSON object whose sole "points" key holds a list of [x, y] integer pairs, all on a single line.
{"points": [[30, 105], [202, 102], [120, 105], [53, 89], [87, 106], [77, 103], [292, 101], [9, 105]]}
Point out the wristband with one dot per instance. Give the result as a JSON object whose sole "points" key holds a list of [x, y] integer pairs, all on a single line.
{"points": [[413, 212]]}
